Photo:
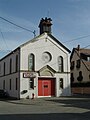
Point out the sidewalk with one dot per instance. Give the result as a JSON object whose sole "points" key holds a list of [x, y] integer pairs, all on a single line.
{"points": [[48, 100]]}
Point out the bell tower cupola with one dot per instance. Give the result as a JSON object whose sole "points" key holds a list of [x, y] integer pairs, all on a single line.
{"points": [[45, 25]]}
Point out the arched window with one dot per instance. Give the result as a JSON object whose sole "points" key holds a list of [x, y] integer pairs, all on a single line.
{"points": [[31, 62], [60, 64]]}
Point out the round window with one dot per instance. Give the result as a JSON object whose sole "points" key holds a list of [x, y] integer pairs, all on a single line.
{"points": [[46, 57]]}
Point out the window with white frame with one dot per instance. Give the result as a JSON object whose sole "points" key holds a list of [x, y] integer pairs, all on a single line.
{"points": [[61, 83], [88, 58], [31, 83], [31, 62], [60, 64]]}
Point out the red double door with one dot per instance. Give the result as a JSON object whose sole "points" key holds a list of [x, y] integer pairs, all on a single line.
{"points": [[46, 87]]}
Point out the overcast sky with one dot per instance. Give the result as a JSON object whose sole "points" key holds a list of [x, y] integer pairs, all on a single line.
{"points": [[70, 18]]}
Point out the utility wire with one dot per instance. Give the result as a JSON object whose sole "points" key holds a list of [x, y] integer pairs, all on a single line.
{"points": [[1, 50], [18, 26], [82, 37], [86, 46], [3, 38]]}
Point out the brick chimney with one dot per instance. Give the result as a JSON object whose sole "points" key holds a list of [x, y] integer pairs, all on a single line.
{"points": [[78, 47], [45, 25]]}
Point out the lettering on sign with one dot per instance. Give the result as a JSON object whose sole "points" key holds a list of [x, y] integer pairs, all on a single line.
{"points": [[29, 74]]}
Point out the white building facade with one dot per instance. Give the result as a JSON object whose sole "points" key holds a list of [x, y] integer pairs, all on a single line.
{"points": [[38, 68]]}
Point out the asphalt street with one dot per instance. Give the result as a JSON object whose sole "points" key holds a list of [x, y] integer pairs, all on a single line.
{"points": [[63, 108]]}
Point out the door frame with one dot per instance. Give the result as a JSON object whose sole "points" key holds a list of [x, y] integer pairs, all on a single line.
{"points": [[47, 78], [48, 89]]}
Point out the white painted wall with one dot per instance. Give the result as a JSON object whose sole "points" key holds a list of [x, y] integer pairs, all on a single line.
{"points": [[66, 91], [42, 44], [13, 75], [24, 85]]}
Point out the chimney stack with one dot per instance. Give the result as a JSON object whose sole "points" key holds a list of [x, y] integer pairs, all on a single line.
{"points": [[45, 25], [78, 47]]}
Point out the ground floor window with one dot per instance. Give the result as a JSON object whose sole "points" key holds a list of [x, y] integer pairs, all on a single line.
{"points": [[4, 84], [61, 83], [10, 84], [31, 83], [16, 83]]}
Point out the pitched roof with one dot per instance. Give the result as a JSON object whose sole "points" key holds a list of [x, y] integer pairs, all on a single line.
{"points": [[51, 36], [57, 41], [82, 51], [35, 39], [85, 51], [87, 64]]}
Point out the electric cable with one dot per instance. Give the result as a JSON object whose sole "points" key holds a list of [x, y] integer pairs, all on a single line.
{"points": [[82, 37], [18, 26], [2, 50]]}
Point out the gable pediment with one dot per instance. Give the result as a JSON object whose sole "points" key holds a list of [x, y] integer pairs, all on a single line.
{"points": [[46, 37], [46, 71]]}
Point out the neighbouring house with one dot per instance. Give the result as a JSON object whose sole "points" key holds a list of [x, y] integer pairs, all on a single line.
{"points": [[37, 68], [80, 70]]}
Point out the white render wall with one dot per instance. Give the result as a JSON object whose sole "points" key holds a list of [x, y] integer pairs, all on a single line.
{"points": [[13, 75], [13, 92], [66, 91], [40, 46], [24, 85]]}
